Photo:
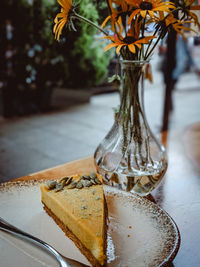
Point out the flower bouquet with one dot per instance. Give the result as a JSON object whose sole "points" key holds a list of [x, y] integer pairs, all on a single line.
{"points": [[130, 157], [128, 21]]}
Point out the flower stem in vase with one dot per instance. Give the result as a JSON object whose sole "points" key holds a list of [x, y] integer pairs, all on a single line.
{"points": [[130, 157]]}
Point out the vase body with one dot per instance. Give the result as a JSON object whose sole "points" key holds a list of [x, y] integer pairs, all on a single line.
{"points": [[130, 157]]}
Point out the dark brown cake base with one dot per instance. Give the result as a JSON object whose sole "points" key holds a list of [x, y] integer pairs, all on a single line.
{"points": [[76, 241]]}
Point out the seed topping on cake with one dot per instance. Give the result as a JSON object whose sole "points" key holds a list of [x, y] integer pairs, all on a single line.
{"points": [[83, 181]]}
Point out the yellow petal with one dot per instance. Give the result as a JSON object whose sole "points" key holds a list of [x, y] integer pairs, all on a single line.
{"points": [[119, 47], [138, 45], [137, 27], [105, 21], [186, 28], [124, 6], [151, 13], [60, 15], [65, 3], [144, 40], [59, 30], [107, 37], [110, 46], [135, 12], [131, 47], [143, 13], [162, 8], [119, 22], [161, 14], [54, 28]]}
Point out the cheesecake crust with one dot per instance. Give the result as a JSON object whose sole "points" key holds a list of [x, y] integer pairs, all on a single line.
{"points": [[76, 241]]}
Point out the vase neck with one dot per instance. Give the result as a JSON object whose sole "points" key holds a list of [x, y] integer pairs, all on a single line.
{"points": [[132, 73], [133, 63]]}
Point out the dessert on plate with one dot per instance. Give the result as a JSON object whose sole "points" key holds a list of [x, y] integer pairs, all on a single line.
{"points": [[78, 206]]}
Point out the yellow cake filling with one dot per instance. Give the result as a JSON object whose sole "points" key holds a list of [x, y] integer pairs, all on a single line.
{"points": [[82, 211]]}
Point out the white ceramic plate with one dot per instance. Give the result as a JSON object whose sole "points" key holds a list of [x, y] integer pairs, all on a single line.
{"points": [[139, 232]]}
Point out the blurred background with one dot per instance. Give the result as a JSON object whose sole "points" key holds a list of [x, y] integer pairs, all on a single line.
{"points": [[55, 100], [33, 64]]}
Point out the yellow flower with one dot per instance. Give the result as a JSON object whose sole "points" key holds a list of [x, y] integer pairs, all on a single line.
{"points": [[178, 25], [111, 17], [115, 14], [61, 18], [150, 7], [128, 41], [189, 6], [170, 20]]}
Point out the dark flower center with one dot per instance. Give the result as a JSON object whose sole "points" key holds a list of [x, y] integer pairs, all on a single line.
{"points": [[129, 40], [146, 5]]}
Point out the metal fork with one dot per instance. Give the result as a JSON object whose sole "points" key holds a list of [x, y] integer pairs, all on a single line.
{"points": [[63, 261]]}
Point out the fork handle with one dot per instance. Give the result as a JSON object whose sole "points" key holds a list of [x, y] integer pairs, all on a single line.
{"points": [[5, 226]]}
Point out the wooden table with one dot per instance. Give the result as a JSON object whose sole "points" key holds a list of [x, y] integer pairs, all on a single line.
{"points": [[179, 193]]}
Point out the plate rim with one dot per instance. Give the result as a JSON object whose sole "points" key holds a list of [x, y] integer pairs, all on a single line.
{"points": [[176, 246], [177, 243]]}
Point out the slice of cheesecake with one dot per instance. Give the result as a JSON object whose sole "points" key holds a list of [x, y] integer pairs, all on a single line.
{"points": [[77, 205]]}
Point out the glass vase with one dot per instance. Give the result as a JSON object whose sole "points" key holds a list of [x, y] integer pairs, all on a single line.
{"points": [[130, 157]]}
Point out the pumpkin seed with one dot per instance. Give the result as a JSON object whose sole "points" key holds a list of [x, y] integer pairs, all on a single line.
{"points": [[93, 175], [79, 179], [59, 187], [97, 181], [86, 183], [68, 181], [86, 177], [93, 181], [51, 184], [72, 185], [63, 179], [63, 183], [79, 185]]}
